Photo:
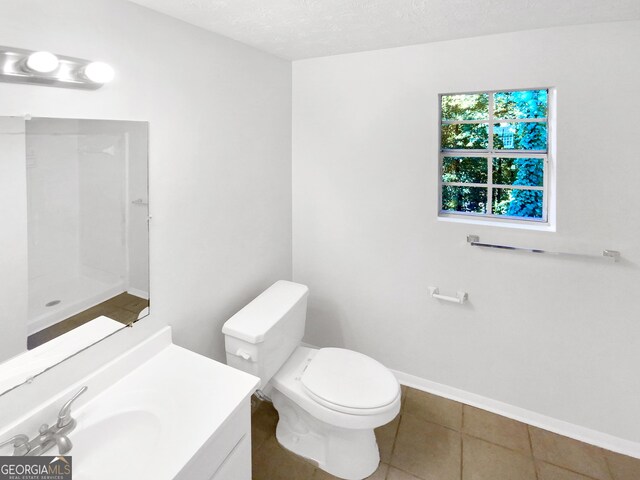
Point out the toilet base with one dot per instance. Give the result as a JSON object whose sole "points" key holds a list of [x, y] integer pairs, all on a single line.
{"points": [[351, 454]]}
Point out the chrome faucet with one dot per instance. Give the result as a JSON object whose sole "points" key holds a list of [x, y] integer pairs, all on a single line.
{"points": [[48, 436]]}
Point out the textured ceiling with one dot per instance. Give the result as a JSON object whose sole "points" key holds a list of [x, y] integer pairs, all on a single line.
{"points": [[296, 29]]}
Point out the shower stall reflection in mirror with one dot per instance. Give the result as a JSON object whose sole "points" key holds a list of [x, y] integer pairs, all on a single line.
{"points": [[87, 219]]}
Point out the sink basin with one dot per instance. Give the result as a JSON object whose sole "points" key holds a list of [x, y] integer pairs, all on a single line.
{"points": [[119, 435], [116, 421]]}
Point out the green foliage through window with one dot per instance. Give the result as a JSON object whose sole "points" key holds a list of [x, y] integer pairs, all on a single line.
{"points": [[465, 135], [493, 153], [464, 199], [519, 136], [464, 169], [521, 104], [465, 107]]}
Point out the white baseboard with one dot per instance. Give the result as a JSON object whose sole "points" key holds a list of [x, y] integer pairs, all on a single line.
{"points": [[593, 437], [138, 293]]}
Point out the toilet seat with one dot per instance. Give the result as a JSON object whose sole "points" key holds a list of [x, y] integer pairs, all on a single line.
{"points": [[349, 382], [288, 380]]}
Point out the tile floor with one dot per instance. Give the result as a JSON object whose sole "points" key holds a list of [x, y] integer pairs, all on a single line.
{"points": [[438, 439], [123, 308]]}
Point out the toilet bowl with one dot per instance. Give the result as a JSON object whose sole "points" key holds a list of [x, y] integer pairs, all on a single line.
{"points": [[329, 400]]}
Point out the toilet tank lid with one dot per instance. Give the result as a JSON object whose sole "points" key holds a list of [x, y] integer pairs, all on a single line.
{"points": [[253, 322]]}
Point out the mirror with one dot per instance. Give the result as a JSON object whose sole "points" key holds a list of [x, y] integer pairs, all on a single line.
{"points": [[75, 240]]}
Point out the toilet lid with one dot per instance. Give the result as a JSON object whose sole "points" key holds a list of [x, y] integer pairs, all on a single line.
{"points": [[349, 379]]}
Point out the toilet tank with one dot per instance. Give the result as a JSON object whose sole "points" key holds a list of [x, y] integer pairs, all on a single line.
{"points": [[261, 337]]}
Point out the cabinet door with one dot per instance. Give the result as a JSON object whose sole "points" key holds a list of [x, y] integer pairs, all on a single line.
{"points": [[218, 448], [237, 466]]}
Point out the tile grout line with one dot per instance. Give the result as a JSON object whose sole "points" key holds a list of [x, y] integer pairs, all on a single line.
{"points": [[395, 435], [410, 473], [530, 439], [569, 470], [434, 423], [395, 439], [609, 469], [533, 458], [519, 452], [462, 445], [461, 457], [563, 467]]}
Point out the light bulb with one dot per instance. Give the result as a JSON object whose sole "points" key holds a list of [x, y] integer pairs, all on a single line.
{"points": [[99, 72], [42, 62]]}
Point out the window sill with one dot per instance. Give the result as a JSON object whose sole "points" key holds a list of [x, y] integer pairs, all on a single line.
{"points": [[540, 227]]}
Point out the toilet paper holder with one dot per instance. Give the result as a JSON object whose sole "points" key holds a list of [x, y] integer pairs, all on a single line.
{"points": [[460, 298]]}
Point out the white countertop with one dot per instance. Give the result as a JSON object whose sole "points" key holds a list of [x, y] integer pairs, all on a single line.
{"points": [[18, 369]]}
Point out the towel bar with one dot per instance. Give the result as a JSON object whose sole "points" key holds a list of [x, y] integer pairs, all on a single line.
{"points": [[474, 241]]}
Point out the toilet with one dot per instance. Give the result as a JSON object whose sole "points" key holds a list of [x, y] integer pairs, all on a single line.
{"points": [[329, 400]]}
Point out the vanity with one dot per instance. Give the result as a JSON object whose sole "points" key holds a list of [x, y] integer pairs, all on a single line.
{"points": [[157, 411]]}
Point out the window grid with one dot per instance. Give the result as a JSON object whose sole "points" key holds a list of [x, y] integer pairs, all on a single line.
{"points": [[489, 205], [490, 153]]}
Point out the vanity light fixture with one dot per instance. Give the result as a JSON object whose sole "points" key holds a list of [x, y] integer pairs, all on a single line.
{"points": [[42, 62], [99, 72], [45, 68]]}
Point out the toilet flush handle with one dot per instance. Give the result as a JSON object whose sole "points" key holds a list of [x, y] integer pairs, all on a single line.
{"points": [[244, 354]]}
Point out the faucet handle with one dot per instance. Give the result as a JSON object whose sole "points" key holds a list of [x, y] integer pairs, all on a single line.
{"points": [[64, 417], [20, 443], [64, 444]]}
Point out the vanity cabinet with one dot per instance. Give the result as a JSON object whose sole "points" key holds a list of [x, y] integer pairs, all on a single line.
{"points": [[227, 453], [237, 466]]}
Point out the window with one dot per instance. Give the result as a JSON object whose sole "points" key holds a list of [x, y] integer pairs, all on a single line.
{"points": [[494, 158]]}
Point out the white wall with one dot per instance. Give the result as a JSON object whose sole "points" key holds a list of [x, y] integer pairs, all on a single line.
{"points": [[554, 336], [220, 148], [13, 239]]}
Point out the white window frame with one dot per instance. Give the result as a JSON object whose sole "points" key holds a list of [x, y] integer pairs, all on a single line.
{"points": [[490, 153]]}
